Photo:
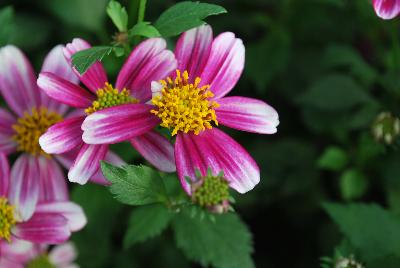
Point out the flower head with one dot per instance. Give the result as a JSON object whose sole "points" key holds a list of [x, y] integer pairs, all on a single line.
{"points": [[113, 113], [387, 9]]}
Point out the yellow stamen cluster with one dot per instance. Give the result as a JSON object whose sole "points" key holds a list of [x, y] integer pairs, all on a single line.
{"points": [[183, 106], [31, 126], [109, 97], [7, 220]]}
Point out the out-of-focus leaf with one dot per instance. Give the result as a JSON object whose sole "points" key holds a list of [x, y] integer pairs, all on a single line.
{"points": [[184, 16], [335, 92], [7, 24], [146, 222], [339, 56], [135, 185], [225, 242], [82, 60], [333, 158], [268, 58], [353, 184], [144, 29], [118, 15], [373, 231]]}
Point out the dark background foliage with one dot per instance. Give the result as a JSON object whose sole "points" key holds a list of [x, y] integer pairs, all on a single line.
{"points": [[328, 66]]}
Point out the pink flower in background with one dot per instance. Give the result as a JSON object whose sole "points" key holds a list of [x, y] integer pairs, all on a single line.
{"points": [[149, 61], [190, 103], [32, 113], [49, 222], [20, 253], [387, 9]]}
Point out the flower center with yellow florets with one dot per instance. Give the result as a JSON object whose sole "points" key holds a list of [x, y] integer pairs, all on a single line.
{"points": [[211, 192], [31, 126], [184, 106], [7, 220], [110, 97]]}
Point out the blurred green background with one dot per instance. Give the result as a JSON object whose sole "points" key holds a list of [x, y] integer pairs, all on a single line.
{"points": [[329, 67]]}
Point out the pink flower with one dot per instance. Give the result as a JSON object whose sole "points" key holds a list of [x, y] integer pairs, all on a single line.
{"points": [[191, 103], [387, 9], [32, 113], [149, 61], [20, 253], [49, 222]]}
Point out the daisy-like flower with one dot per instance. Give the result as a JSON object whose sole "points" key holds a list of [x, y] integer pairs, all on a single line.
{"points": [[192, 103], [149, 61], [387, 9], [50, 222], [38, 176], [20, 254]]}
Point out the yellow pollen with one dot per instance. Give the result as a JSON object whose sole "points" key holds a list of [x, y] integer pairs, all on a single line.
{"points": [[184, 106], [31, 126], [7, 220], [110, 97]]}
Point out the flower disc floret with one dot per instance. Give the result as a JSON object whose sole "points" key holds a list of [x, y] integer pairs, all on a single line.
{"points": [[31, 126], [210, 191], [110, 97], [184, 106], [7, 220]]}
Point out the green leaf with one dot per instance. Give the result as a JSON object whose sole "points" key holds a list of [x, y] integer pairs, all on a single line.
{"points": [[7, 24], [135, 185], [335, 92], [373, 231], [184, 16], [84, 59], [118, 15], [146, 222], [144, 29], [224, 243], [353, 184], [333, 158]]}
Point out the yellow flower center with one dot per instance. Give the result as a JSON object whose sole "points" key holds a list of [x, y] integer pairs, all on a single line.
{"points": [[7, 220], [30, 127], [109, 97], [184, 106]]}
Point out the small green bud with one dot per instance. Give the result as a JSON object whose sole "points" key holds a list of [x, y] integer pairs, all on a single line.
{"points": [[347, 263], [386, 128]]}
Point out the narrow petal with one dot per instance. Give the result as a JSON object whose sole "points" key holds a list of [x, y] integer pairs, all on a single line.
{"points": [[111, 158], [225, 64], [63, 254], [193, 49], [4, 175], [5, 263], [18, 81], [149, 61], [53, 183], [71, 211], [18, 250], [44, 228], [24, 186], [63, 136], [7, 144], [95, 77], [6, 122], [216, 150], [119, 123], [156, 149], [387, 9], [64, 91], [87, 163], [247, 114]]}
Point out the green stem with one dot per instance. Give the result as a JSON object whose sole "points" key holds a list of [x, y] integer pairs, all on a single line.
{"points": [[141, 10]]}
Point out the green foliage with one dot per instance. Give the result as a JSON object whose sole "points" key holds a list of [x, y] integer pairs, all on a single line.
{"points": [[118, 15], [135, 185], [7, 24], [146, 222], [333, 158], [373, 231], [84, 59], [353, 184], [184, 16], [144, 29], [224, 242]]}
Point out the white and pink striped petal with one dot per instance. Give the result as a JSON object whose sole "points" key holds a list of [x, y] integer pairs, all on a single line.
{"points": [[63, 255], [53, 186], [4, 175], [387, 9]]}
